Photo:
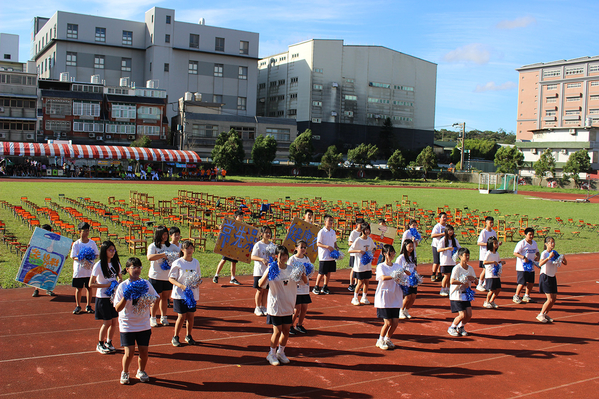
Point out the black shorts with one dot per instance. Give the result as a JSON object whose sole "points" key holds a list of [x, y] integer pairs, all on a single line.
{"points": [[387, 313], [229, 259], [459, 306], [256, 280], [436, 259], [80, 282], [367, 275], [301, 299], [547, 284], [492, 284], [481, 264], [180, 307], [525, 277], [141, 337], [161, 285], [105, 310], [327, 266], [279, 320], [446, 269], [412, 290]]}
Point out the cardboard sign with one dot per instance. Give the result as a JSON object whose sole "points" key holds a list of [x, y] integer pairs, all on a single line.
{"points": [[302, 230], [44, 259], [236, 240], [381, 235]]}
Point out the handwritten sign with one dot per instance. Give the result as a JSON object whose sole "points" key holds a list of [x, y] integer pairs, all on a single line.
{"points": [[44, 259], [236, 240], [302, 230], [381, 235]]}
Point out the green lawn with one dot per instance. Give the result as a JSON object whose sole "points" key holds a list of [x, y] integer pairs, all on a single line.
{"points": [[426, 198]]}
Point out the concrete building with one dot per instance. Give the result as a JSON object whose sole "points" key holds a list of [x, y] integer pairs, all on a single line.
{"points": [[9, 49], [345, 92], [180, 57], [558, 109]]}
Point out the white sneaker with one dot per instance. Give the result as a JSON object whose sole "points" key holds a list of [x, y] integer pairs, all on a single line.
{"points": [[143, 377], [124, 378], [444, 292], [272, 359], [495, 306], [516, 299], [402, 314], [480, 287], [390, 344], [405, 312], [453, 331], [153, 322], [541, 318], [258, 311], [364, 301], [382, 345], [526, 298], [462, 331], [264, 310], [487, 305], [355, 301], [164, 321], [282, 358]]}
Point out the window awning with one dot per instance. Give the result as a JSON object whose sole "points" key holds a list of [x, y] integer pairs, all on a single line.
{"points": [[97, 152]]}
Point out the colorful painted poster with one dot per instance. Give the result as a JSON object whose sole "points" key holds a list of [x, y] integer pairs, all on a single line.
{"points": [[236, 240], [44, 259], [302, 230], [381, 235]]}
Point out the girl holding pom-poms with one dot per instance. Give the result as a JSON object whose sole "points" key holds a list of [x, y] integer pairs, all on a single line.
{"points": [[281, 303], [550, 261], [84, 252], [106, 275], [460, 293], [446, 248], [185, 275], [133, 299], [388, 297], [362, 247], [161, 254], [407, 260], [493, 266], [411, 233], [260, 255], [303, 288]]}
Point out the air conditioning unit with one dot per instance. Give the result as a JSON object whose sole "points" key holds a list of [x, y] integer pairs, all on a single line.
{"points": [[95, 79], [29, 136], [152, 84], [131, 137], [64, 76], [100, 138], [197, 97], [63, 134], [92, 135], [163, 137], [3, 135], [535, 151], [188, 96], [108, 137], [124, 82], [572, 132]]}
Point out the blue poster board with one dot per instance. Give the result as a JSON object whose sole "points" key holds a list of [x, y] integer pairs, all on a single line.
{"points": [[44, 259]]}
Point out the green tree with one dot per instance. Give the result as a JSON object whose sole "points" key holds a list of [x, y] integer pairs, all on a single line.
{"points": [[386, 138], [228, 152], [546, 163], [363, 154], [264, 152], [508, 160], [301, 150], [427, 159], [396, 163], [579, 162], [330, 160], [143, 141]]}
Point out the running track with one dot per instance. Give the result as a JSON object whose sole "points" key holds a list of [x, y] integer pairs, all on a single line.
{"points": [[49, 352]]}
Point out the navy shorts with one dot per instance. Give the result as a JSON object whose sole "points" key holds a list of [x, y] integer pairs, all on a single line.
{"points": [[327, 266], [80, 282], [387, 313], [459, 306], [161, 285], [141, 337], [447, 269], [436, 259], [526, 277], [256, 280], [279, 320], [492, 284], [301, 299], [105, 310], [229, 259], [547, 284], [412, 290], [180, 307], [367, 275], [480, 264]]}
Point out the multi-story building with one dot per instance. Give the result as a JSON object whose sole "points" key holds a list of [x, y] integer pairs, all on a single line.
{"points": [[183, 57], [558, 109], [345, 92]]}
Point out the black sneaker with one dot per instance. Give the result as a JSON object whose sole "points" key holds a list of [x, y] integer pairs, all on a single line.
{"points": [[108, 345], [175, 341], [77, 310], [102, 349], [301, 329], [215, 279], [189, 340], [89, 309], [50, 293], [293, 331], [315, 291], [325, 290], [36, 293], [234, 281], [351, 288]]}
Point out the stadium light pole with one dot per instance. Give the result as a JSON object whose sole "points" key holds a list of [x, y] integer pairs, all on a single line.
{"points": [[462, 135]]}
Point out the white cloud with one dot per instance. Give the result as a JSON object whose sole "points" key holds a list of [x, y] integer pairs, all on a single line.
{"points": [[521, 22], [477, 53], [491, 86]]}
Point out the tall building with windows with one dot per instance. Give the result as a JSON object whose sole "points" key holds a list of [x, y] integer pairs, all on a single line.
{"points": [[345, 92], [180, 57], [558, 109]]}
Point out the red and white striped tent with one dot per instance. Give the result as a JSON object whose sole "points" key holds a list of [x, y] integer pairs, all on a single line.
{"points": [[97, 152]]}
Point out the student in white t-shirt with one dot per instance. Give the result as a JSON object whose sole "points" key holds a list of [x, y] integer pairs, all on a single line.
{"points": [[462, 276], [303, 291], [446, 246], [260, 258], [492, 281], [134, 325], [482, 241], [547, 280], [183, 269], [437, 233], [175, 234], [407, 261], [355, 233], [362, 271], [158, 275], [82, 268], [326, 241], [107, 270], [388, 298], [526, 250], [408, 234]]}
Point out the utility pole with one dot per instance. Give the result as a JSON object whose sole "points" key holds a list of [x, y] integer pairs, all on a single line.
{"points": [[462, 136]]}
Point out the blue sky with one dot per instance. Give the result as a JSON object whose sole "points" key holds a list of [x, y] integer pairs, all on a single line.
{"points": [[477, 45]]}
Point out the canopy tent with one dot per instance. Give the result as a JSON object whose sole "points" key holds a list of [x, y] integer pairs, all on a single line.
{"points": [[97, 152]]}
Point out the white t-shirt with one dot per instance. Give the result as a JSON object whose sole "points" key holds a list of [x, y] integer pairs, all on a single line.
{"points": [[550, 267], [362, 244], [489, 268], [302, 288], [438, 229], [281, 294], [352, 237], [407, 235], [156, 271], [483, 238], [405, 263], [174, 247], [326, 237], [180, 270], [445, 257], [456, 291], [525, 249], [129, 321], [81, 270], [100, 279], [388, 293], [259, 250]]}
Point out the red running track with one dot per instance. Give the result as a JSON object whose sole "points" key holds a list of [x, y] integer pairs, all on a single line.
{"points": [[49, 352]]}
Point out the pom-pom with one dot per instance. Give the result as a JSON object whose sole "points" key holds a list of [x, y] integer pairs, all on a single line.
{"points": [[400, 277], [469, 293], [167, 263], [497, 269], [297, 271], [135, 290], [189, 300], [309, 268], [405, 289], [463, 279], [193, 279], [527, 265], [554, 256], [415, 279], [109, 291], [86, 256], [271, 249], [454, 255], [559, 260], [273, 271], [415, 234], [143, 303], [335, 254], [366, 258]]}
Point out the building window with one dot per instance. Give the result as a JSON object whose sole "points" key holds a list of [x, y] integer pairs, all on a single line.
{"points": [[150, 67], [551, 87], [551, 73], [127, 38], [279, 134], [101, 35], [146, 112], [72, 31], [551, 112], [594, 111], [7, 56], [168, 19], [551, 100], [262, 86], [293, 82], [317, 87], [404, 103], [349, 81], [318, 70], [194, 41], [572, 112], [243, 73], [241, 103], [126, 111], [244, 47], [281, 82], [293, 111], [377, 84], [573, 85], [316, 120], [193, 67], [348, 113], [378, 100], [217, 98], [247, 133], [594, 98], [273, 84], [219, 44], [126, 64], [166, 67], [595, 83], [71, 58], [86, 109], [593, 68], [204, 130], [572, 99], [167, 38], [293, 96], [351, 98], [99, 61], [218, 70], [575, 71], [317, 103]]}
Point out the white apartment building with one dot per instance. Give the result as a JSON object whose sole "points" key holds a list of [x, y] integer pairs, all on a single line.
{"points": [[181, 57], [345, 92]]}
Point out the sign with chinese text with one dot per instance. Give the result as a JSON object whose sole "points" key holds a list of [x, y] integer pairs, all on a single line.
{"points": [[302, 230], [236, 240], [382, 235]]}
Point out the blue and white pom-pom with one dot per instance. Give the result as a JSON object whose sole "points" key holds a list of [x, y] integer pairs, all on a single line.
{"points": [[400, 277], [273, 270], [415, 279], [469, 293], [309, 268], [135, 290], [271, 249], [497, 269], [527, 265], [463, 279], [86, 256], [335, 254], [454, 255], [297, 271], [189, 300], [405, 289], [167, 263], [109, 291], [143, 303], [557, 258], [415, 234], [193, 280], [366, 258]]}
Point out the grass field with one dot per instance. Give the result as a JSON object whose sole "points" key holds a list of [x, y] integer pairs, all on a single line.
{"points": [[426, 198]]}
